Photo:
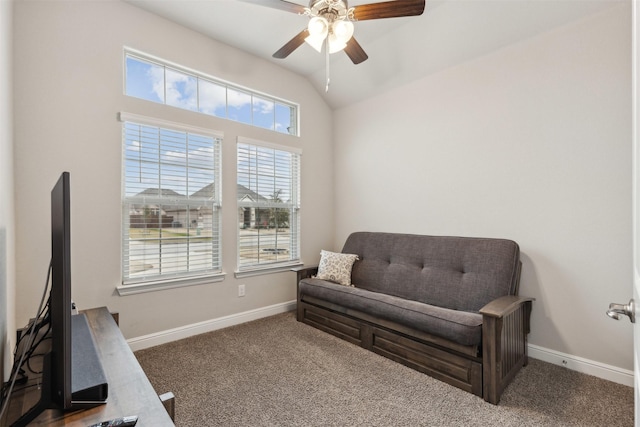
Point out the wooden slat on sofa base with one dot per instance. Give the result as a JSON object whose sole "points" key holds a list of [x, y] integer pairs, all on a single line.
{"points": [[459, 371], [343, 327]]}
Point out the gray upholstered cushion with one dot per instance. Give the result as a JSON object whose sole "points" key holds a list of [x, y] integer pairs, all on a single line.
{"points": [[459, 273], [458, 326]]}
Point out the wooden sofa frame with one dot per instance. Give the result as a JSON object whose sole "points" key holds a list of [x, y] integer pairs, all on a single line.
{"points": [[483, 370]]}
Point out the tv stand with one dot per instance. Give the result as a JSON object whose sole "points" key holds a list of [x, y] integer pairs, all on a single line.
{"points": [[130, 392]]}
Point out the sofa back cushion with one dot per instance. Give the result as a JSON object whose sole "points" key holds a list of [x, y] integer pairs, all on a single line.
{"points": [[461, 273]]}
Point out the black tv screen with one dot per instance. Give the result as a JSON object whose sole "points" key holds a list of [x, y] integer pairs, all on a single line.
{"points": [[60, 302]]}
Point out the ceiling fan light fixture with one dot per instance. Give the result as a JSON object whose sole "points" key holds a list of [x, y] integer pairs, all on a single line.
{"points": [[315, 42], [331, 23], [318, 27], [343, 30], [335, 45]]}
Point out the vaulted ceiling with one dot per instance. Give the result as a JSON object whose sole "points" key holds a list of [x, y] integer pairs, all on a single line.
{"points": [[400, 50]]}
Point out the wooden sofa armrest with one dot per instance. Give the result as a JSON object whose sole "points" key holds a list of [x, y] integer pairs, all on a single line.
{"points": [[502, 306], [305, 272], [505, 326]]}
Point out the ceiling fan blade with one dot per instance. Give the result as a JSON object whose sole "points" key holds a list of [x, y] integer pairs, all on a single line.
{"points": [[292, 45], [355, 52], [279, 4], [388, 9]]}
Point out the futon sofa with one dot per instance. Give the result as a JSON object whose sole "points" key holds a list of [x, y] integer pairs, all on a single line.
{"points": [[445, 306]]}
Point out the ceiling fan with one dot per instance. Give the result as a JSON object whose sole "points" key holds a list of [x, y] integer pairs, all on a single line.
{"points": [[331, 24]]}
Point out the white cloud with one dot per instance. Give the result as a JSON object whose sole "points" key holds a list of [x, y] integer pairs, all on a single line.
{"points": [[181, 90], [263, 106], [238, 99], [156, 74], [133, 146], [212, 97]]}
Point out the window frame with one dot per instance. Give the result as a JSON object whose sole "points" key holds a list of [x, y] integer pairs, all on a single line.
{"points": [[200, 76], [294, 205], [133, 285]]}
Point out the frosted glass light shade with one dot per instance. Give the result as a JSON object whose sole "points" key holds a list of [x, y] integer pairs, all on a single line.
{"points": [[315, 42], [335, 45], [343, 30], [318, 26], [318, 30]]}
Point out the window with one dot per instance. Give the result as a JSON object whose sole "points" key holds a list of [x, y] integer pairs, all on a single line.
{"points": [[171, 201], [268, 197], [159, 81]]}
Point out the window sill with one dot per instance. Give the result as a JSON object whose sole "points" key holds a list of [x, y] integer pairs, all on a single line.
{"points": [[138, 288], [257, 271]]}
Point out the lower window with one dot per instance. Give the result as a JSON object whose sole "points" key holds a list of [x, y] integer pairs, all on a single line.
{"points": [[268, 205], [171, 202]]}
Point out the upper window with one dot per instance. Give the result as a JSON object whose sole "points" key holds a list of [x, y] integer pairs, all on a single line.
{"points": [[159, 81], [268, 197], [171, 201]]}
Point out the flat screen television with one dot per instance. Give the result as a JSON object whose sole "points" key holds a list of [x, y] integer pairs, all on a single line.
{"points": [[72, 375], [60, 301]]}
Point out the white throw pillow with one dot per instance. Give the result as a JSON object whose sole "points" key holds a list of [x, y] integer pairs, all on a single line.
{"points": [[336, 267]]}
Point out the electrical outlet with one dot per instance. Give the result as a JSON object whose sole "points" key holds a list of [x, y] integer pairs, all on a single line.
{"points": [[241, 290]]}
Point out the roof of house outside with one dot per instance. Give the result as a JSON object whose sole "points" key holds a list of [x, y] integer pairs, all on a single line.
{"points": [[206, 192]]}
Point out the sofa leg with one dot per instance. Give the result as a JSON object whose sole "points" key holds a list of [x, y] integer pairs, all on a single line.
{"points": [[299, 312], [490, 363]]}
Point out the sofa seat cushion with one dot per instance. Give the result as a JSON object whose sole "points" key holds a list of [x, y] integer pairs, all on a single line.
{"points": [[462, 327]]}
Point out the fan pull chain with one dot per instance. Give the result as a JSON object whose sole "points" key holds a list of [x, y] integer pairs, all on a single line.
{"points": [[326, 48]]}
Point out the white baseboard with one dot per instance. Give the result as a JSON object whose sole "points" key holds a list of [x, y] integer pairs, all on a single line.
{"points": [[575, 363], [163, 337], [579, 364]]}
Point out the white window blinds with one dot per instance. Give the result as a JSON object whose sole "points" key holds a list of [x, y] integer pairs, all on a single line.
{"points": [[268, 198], [171, 201]]}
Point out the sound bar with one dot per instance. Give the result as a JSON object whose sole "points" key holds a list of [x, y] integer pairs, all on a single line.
{"points": [[88, 381]]}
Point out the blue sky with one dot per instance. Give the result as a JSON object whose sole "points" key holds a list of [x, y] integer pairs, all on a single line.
{"points": [[165, 85]]}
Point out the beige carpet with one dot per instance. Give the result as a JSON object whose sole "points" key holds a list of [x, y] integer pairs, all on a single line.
{"points": [[278, 372]]}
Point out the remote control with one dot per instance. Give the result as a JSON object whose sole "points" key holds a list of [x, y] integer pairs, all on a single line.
{"points": [[120, 422]]}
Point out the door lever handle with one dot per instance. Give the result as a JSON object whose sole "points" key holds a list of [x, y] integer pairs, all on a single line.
{"points": [[615, 310]]}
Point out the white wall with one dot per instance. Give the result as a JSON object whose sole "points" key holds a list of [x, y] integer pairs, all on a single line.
{"points": [[7, 255], [531, 143], [68, 91]]}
